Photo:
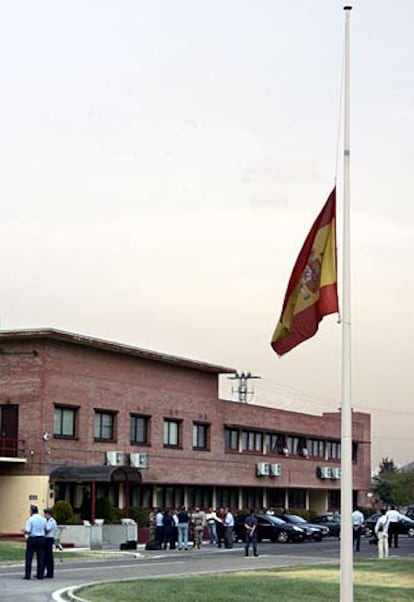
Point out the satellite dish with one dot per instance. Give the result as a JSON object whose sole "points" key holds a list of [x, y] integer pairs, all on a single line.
{"points": [[46, 436]]}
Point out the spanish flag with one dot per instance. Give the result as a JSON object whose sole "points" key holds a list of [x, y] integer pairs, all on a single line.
{"points": [[312, 289]]}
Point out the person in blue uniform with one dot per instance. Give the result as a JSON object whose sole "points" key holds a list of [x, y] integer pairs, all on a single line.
{"points": [[250, 524], [51, 534], [35, 531]]}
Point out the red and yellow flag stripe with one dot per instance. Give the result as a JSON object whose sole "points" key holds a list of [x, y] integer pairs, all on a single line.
{"points": [[312, 289]]}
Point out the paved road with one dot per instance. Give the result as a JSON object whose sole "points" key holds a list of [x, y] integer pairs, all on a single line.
{"points": [[74, 571]]}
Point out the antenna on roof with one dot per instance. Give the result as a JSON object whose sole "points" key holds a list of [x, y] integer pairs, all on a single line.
{"points": [[242, 388]]}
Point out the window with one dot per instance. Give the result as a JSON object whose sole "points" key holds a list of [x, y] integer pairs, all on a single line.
{"points": [[140, 429], [276, 497], [104, 426], [316, 448], [270, 443], [141, 496], [169, 496], [227, 496], [200, 435], [297, 498], [252, 497], [292, 443], [65, 421], [171, 433], [231, 439], [199, 496], [354, 452], [333, 449], [252, 441], [281, 445], [334, 499]]}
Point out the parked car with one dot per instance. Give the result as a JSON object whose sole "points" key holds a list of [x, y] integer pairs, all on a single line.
{"points": [[405, 525], [270, 527], [312, 532], [332, 520], [410, 512]]}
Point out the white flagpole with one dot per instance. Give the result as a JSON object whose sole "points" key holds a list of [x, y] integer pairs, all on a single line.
{"points": [[346, 558]]}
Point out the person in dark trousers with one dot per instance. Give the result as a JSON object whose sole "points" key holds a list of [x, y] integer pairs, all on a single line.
{"points": [[51, 535], [35, 532], [220, 529], [357, 525], [168, 527], [250, 524], [228, 528], [393, 518]]}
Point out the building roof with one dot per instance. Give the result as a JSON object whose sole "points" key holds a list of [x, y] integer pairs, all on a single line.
{"points": [[110, 346], [101, 473]]}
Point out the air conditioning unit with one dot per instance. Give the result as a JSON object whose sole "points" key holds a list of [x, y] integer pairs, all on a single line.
{"points": [[336, 473], [275, 470], [138, 460], [262, 469], [116, 458]]}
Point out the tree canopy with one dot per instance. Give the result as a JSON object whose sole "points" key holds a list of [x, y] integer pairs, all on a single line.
{"points": [[393, 485]]}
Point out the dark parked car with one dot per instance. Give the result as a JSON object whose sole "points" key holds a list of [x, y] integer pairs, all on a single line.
{"points": [[270, 527], [315, 532], [331, 520], [405, 525], [410, 512]]}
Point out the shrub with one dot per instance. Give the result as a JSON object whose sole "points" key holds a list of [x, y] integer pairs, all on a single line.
{"points": [[104, 509], [139, 515], [117, 515], [63, 512]]}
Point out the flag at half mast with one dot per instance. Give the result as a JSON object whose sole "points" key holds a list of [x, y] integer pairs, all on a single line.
{"points": [[312, 290]]}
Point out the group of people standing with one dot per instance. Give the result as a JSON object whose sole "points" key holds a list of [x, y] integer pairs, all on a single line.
{"points": [[41, 532], [386, 529], [175, 529]]}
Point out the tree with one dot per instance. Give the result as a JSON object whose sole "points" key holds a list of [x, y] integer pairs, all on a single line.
{"points": [[393, 485], [387, 466]]}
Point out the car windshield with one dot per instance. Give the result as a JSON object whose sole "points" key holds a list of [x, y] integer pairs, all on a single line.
{"points": [[276, 520], [329, 518], [294, 518]]}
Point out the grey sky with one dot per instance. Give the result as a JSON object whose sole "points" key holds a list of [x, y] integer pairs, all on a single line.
{"points": [[163, 161]]}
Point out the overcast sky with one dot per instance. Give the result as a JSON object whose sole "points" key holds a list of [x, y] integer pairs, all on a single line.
{"points": [[161, 162]]}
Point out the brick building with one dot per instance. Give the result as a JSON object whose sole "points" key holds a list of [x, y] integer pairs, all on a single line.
{"points": [[85, 419]]}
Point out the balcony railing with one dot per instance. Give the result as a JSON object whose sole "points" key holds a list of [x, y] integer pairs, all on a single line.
{"points": [[12, 448]]}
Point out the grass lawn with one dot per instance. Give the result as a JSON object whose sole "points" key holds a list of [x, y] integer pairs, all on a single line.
{"points": [[12, 551], [375, 581]]}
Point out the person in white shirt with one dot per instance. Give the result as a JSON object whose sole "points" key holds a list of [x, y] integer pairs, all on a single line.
{"points": [[211, 518], [159, 525], [393, 517], [357, 524], [381, 531], [229, 526]]}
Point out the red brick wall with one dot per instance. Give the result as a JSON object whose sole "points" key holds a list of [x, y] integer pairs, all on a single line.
{"points": [[92, 378]]}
